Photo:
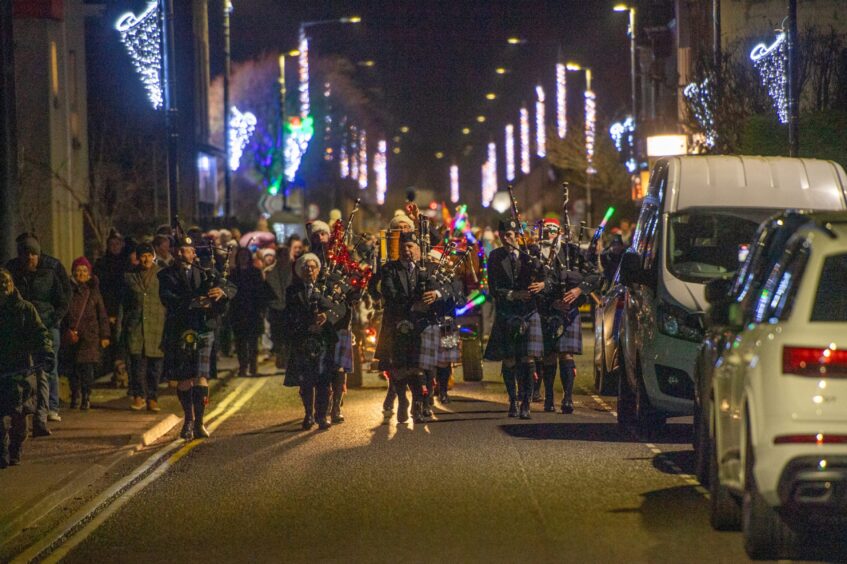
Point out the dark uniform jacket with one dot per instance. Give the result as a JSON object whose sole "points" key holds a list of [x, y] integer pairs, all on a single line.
{"points": [[48, 288], [179, 289]]}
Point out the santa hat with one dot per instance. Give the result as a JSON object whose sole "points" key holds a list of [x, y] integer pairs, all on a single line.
{"points": [[551, 222], [318, 226], [436, 253]]}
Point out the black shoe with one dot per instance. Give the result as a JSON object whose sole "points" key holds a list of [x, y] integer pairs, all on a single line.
{"points": [[567, 407], [39, 431], [549, 408], [187, 431], [85, 404], [200, 431], [323, 424], [308, 422], [427, 411], [14, 460], [444, 398], [513, 409], [536, 398], [402, 415], [337, 418], [524, 413]]}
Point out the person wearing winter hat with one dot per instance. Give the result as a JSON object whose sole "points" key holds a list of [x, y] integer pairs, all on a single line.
{"points": [[109, 271], [43, 281], [334, 215], [402, 222]]}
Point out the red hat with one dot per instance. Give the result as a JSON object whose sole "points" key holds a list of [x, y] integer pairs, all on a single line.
{"points": [[548, 221], [81, 261]]}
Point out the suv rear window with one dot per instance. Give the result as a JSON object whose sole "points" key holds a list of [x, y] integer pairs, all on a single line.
{"points": [[831, 299]]}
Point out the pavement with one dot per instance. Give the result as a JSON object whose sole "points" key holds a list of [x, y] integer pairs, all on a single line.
{"points": [[84, 447]]}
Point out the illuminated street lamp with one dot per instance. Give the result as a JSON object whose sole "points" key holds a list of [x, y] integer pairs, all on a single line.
{"points": [[501, 70], [633, 70], [480, 119], [590, 133], [491, 96]]}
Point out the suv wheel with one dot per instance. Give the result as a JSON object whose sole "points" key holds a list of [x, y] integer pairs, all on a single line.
{"points": [[702, 444], [626, 400], [724, 510]]}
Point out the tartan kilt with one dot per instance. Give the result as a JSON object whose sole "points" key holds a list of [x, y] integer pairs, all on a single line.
{"points": [[571, 339], [445, 355], [503, 346], [344, 350], [430, 343]]}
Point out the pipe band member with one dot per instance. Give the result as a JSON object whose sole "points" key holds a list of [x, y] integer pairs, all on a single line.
{"points": [[516, 338], [195, 298]]}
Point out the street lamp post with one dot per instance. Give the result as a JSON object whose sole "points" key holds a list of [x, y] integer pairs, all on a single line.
{"points": [[590, 135], [632, 53], [171, 111], [227, 149]]}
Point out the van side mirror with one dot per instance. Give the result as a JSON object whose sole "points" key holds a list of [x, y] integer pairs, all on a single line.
{"points": [[630, 269], [720, 302]]}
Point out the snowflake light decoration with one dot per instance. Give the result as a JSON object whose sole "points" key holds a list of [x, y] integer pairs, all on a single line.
{"points": [[241, 128], [623, 136], [142, 37], [772, 63], [701, 100]]}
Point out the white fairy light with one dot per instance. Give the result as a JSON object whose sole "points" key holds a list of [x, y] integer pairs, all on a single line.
{"points": [[561, 100], [623, 136], [524, 134], [381, 170], [540, 119], [701, 103], [772, 63], [363, 160], [590, 129], [241, 128], [303, 87], [354, 153], [489, 175], [510, 152], [329, 152], [142, 37], [454, 183], [343, 161]]}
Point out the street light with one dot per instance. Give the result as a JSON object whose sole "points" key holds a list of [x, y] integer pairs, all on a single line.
{"points": [[633, 70], [491, 96], [480, 119], [516, 41], [590, 133], [501, 70]]}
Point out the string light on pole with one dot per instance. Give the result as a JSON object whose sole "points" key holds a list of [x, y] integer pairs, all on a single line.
{"points": [[363, 160], [590, 129], [540, 119], [381, 170], [354, 153], [524, 134], [454, 183], [701, 100], [241, 128], [772, 63], [298, 134], [343, 161], [623, 136], [303, 87], [510, 152], [561, 100], [142, 37], [489, 175], [328, 149]]}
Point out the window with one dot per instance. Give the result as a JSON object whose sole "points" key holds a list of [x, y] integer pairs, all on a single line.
{"points": [[831, 298]]}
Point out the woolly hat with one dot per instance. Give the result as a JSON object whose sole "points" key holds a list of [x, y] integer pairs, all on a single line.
{"points": [[29, 245], [400, 219], [144, 249], [334, 215], [507, 225], [81, 261], [301, 263], [318, 226]]}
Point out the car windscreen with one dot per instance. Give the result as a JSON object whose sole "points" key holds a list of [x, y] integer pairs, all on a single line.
{"points": [[831, 298], [703, 243]]}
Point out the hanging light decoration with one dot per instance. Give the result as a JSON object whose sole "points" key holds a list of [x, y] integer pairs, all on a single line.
{"points": [[241, 128], [489, 175], [381, 170], [561, 100], [510, 152], [590, 129], [298, 133], [540, 119], [142, 37], [524, 133], [354, 153], [772, 63], [701, 100], [329, 151], [343, 161], [454, 183], [363, 160], [303, 86], [623, 136]]}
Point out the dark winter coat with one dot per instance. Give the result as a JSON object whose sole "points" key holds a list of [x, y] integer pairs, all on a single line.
{"points": [[141, 316], [178, 290], [298, 316], [278, 279], [110, 270], [247, 309], [502, 279], [23, 337], [48, 288], [91, 321]]}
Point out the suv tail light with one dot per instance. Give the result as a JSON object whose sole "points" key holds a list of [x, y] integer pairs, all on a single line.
{"points": [[817, 439], [814, 362]]}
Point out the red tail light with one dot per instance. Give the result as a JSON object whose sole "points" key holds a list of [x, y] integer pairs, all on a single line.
{"points": [[818, 439], [814, 362]]}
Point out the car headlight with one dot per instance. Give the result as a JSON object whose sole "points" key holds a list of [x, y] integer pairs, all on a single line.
{"points": [[676, 322]]}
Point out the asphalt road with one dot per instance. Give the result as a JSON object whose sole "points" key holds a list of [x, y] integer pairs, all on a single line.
{"points": [[472, 485]]}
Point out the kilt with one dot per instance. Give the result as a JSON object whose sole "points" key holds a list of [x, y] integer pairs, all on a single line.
{"points": [[447, 356], [429, 345], [571, 339], [502, 345], [188, 365], [344, 350]]}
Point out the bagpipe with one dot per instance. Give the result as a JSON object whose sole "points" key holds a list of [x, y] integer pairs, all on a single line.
{"points": [[528, 243], [206, 262]]}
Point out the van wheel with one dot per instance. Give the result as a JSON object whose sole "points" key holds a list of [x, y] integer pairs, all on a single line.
{"points": [[724, 510], [605, 382], [702, 444], [647, 419], [766, 535], [626, 401], [599, 366]]}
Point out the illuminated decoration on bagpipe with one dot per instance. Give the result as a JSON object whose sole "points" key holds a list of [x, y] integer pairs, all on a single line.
{"points": [[540, 127], [701, 101], [298, 133], [510, 152], [524, 133], [354, 153], [454, 183], [363, 160], [303, 86], [241, 128], [489, 175], [142, 37], [590, 129], [381, 170], [623, 136], [772, 63], [561, 100]]}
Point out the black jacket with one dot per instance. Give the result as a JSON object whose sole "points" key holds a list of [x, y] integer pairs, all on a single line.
{"points": [[179, 291], [48, 288], [23, 337]]}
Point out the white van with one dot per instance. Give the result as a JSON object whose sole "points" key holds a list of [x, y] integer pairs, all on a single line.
{"points": [[695, 222]]}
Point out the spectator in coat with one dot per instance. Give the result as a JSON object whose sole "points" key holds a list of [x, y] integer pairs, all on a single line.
{"points": [[43, 281], [141, 323], [109, 271], [86, 317], [24, 340], [247, 312]]}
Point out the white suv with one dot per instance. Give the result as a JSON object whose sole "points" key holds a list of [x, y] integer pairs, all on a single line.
{"points": [[779, 400]]}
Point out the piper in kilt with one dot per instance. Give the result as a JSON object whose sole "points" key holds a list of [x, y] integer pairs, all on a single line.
{"points": [[516, 339]]}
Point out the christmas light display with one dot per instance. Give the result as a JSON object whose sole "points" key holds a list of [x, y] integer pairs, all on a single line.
{"points": [[241, 128], [381, 170], [561, 100], [701, 101], [623, 136], [772, 63], [298, 134], [590, 129], [142, 37], [329, 152], [354, 153], [363, 160], [524, 133], [489, 176], [540, 119], [303, 87], [454, 183], [343, 161], [510, 152]]}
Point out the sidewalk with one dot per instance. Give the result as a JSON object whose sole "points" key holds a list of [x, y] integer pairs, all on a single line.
{"points": [[83, 447]]}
